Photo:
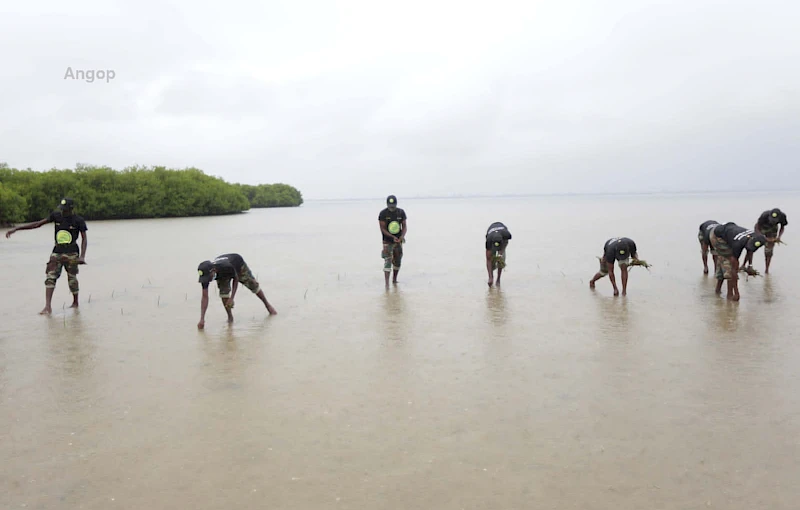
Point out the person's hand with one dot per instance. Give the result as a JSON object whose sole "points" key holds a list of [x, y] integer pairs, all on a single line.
{"points": [[81, 260], [229, 303], [8, 234], [201, 324], [396, 239]]}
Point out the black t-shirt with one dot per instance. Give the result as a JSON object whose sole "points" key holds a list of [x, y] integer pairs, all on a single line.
{"points": [[394, 222], [497, 232], [618, 247], [705, 230], [735, 236], [766, 219], [228, 266], [66, 231]]}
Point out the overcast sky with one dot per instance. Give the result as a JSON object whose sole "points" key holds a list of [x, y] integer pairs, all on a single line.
{"points": [[363, 98]]}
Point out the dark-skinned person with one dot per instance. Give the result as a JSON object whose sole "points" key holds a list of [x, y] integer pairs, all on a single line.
{"points": [[66, 254], [497, 237], [393, 226], [620, 250], [228, 270], [705, 243], [729, 241], [768, 224]]}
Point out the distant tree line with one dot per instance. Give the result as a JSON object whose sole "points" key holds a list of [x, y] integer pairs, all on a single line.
{"points": [[101, 193]]}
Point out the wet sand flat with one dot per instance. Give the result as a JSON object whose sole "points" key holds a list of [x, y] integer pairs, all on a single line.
{"points": [[438, 393]]}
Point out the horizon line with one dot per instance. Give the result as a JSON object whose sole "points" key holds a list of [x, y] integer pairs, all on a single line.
{"points": [[578, 194]]}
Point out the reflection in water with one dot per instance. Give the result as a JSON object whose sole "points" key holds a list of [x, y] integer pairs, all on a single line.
{"points": [[769, 291], [726, 315], [395, 315], [613, 315], [496, 306], [71, 348]]}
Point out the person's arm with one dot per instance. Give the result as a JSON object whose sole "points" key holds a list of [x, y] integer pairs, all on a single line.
{"points": [[84, 244], [27, 226], [403, 230], [203, 308], [234, 287], [780, 232], [634, 252]]}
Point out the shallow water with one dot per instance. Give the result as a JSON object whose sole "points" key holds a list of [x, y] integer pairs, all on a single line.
{"points": [[438, 393]]}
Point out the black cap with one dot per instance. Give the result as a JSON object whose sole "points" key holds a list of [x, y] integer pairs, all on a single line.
{"points": [[204, 270], [66, 203], [756, 241], [391, 200]]}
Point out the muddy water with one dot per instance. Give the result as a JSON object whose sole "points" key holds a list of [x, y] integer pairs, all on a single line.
{"points": [[438, 393]]}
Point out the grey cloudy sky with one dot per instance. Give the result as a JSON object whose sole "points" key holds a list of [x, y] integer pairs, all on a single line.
{"points": [[362, 98]]}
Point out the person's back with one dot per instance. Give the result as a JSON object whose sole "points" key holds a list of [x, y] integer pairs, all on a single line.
{"points": [[497, 237]]}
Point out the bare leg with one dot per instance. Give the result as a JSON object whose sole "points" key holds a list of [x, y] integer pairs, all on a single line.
{"points": [[227, 310], [767, 260], [705, 259], [394, 280], [74, 301], [263, 299], [489, 269], [624, 271], [48, 300], [386, 278], [596, 277]]}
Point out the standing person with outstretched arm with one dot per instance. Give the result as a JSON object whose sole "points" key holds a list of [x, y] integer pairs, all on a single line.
{"points": [[729, 240], [767, 224], [705, 243], [497, 237], [621, 250], [392, 222], [225, 269], [65, 254]]}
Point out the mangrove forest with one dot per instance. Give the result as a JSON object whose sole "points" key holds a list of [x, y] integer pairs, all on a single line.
{"points": [[102, 193]]}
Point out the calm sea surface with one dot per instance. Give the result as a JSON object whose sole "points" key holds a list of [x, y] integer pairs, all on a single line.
{"points": [[439, 393]]}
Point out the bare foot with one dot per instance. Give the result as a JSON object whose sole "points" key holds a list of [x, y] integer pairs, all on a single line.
{"points": [[271, 310], [616, 293], [491, 282], [74, 305], [497, 282], [230, 320], [705, 271], [591, 285], [624, 292], [47, 311]]}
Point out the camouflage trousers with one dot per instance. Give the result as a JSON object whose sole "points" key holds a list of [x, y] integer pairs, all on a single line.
{"points": [[392, 256], [57, 262], [246, 278], [704, 246], [724, 254], [770, 233], [604, 265]]}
